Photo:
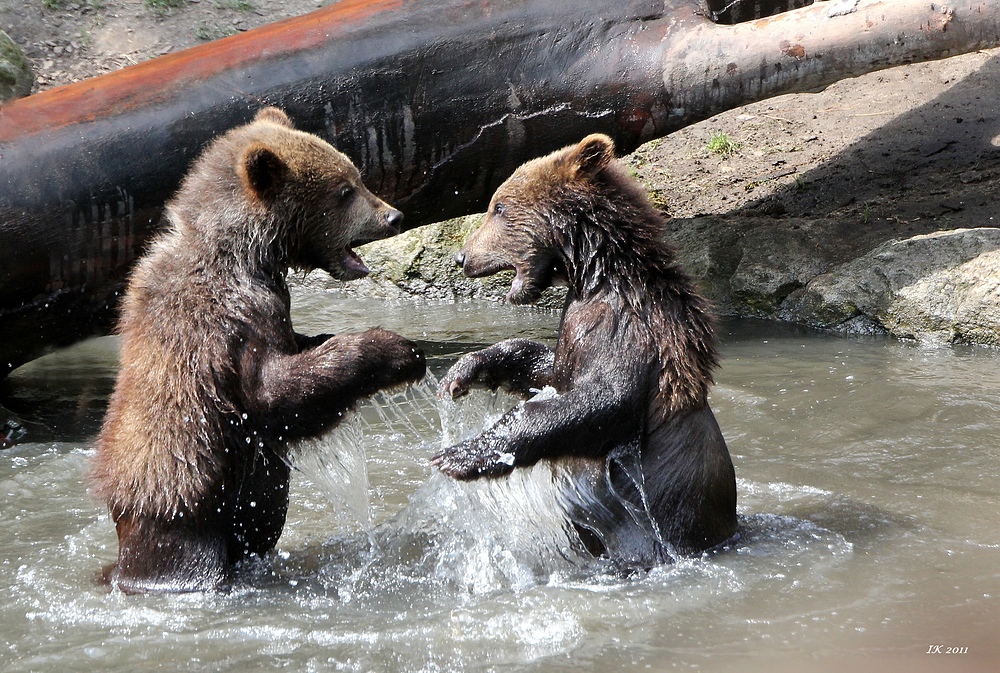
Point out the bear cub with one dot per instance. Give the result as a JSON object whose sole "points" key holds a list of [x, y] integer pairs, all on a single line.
{"points": [[214, 383], [633, 446]]}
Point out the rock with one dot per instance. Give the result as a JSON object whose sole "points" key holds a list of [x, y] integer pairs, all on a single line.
{"points": [[941, 286], [936, 287], [748, 266], [16, 76]]}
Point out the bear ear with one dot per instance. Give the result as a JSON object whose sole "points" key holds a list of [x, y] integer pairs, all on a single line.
{"points": [[592, 154], [262, 171], [273, 115]]}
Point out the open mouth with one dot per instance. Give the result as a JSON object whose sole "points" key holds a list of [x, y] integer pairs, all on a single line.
{"points": [[526, 287], [351, 265], [490, 271], [522, 289], [530, 282]]}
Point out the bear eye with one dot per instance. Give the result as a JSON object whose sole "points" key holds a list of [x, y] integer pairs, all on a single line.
{"points": [[345, 192], [499, 209]]}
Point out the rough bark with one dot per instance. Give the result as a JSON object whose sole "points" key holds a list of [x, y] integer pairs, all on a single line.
{"points": [[437, 101]]}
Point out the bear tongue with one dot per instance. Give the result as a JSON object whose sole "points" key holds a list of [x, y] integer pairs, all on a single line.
{"points": [[353, 264]]}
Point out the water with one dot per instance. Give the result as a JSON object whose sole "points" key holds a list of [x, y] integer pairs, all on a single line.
{"points": [[868, 494]]}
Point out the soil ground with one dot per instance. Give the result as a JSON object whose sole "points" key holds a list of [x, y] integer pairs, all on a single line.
{"points": [[907, 150]]}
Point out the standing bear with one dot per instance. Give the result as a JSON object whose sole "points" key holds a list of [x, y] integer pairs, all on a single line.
{"points": [[214, 383], [640, 462]]}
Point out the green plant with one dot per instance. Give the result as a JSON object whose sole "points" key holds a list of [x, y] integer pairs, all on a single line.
{"points": [[207, 32], [52, 4], [238, 5], [720, 143], [659, 198], [164, 6]]}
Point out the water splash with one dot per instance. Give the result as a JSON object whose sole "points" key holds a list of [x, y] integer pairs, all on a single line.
{"points": [[512, 532], [489, 535], [410, 412], [337, 464]]}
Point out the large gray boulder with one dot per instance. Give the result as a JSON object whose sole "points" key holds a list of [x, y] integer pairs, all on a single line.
{"points": [[16, 76], [943, 286], [748, 266]]}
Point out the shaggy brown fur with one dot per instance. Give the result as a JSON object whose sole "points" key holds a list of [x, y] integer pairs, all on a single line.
{"points": [[214, 382], [633, 362]]}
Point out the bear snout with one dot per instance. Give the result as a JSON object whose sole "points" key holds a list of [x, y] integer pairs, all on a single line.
{"points": [[460, 258], [394, 219]]}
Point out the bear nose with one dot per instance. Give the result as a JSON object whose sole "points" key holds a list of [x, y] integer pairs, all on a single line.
{"points": [[394, 218], [460, 258]]}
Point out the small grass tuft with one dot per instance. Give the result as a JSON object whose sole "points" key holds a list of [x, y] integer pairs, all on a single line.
{"points": [[161, 7], [720, 143], [207, 32], [659, 198]]}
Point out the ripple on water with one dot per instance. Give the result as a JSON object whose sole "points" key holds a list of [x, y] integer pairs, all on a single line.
{"points": [[387, 566]]}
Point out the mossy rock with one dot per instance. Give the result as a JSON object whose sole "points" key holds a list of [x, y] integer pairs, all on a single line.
{"points": [[421, 263], [16, 76]]}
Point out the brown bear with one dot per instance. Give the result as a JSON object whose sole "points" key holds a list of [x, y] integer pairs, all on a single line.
{"points": [[643, 467], [214, 383]]}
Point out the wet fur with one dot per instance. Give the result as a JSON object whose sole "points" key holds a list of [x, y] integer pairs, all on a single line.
{"points": [[633, 361], [214, 382]]}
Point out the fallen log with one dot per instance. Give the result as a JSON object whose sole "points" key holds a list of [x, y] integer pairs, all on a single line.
{"points": [[437, 101]]}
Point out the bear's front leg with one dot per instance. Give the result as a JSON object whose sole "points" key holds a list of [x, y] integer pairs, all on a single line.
{"points": [[586, 421], [516, 365], [605, 406], [301, 394]]}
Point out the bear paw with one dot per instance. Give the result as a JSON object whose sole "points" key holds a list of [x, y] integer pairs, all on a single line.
{"points": [[398, 359], [463, 375], [472, 460]]}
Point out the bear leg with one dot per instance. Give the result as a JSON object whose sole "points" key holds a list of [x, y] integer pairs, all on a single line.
{"points": [[516, 365], [155, 555]]}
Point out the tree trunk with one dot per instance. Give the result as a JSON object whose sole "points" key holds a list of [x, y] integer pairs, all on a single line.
{"points": [[437, 101]]}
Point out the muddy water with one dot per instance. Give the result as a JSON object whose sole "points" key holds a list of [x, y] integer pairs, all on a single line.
{"points": [[868, 499]]}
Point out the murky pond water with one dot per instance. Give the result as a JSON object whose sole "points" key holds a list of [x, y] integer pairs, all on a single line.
{"points": [[868, 498]]}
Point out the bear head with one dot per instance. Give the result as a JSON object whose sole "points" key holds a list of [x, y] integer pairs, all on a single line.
{"points": [[538, 218], [304, 199]]}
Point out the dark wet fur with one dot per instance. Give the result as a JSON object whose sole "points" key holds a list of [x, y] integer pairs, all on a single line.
{"points": [[633, 362]]}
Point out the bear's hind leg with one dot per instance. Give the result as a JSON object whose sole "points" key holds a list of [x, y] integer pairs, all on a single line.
{"points": [[156, 555]]}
